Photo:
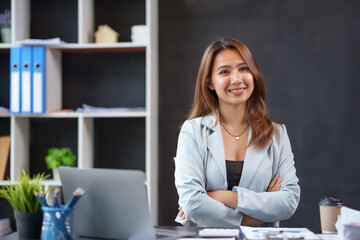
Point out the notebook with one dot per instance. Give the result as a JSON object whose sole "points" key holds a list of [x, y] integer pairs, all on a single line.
{"points": [[114, 206]]}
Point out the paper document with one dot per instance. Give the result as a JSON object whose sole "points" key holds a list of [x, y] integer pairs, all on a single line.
{"points": [[87, 108], [4, 110], [232, 238], [348, 224], [42, 42], [328, 236], [254, 233]]}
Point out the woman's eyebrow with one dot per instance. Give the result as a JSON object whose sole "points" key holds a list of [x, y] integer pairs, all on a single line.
{"points": [[241, 64], [228, 66]]}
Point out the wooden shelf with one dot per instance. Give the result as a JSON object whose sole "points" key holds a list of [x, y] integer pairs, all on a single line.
{"points": [[46, 183], [78, 72], [93, 47], [4, 115], [127, 114]]}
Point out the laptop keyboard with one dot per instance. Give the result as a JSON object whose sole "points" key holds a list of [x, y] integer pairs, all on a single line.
{"points": [[172, 233]]}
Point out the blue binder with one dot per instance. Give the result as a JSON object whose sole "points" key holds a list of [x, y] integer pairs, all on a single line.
{"points": [[26, 79], [39, 81], [15, 80]]}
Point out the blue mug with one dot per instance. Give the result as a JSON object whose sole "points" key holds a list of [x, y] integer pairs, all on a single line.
{"points": [[57, 223]]}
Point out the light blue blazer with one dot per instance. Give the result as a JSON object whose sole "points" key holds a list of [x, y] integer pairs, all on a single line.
{"points": [[200, 167]]}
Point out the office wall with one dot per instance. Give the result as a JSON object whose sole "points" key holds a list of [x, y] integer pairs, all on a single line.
{"points": [[310, 57]]}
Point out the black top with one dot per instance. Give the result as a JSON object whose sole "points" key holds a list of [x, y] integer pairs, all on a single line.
{"points": [[233, 172]]}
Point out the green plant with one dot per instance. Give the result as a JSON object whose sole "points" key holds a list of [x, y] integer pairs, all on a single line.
{"points": [[59, 157], [21, 194]]}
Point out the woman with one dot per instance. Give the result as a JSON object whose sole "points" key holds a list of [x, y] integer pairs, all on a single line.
{"points": [[233, 165]]}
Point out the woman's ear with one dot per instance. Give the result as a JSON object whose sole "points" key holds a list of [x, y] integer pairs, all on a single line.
{"points": [[209, 84]]}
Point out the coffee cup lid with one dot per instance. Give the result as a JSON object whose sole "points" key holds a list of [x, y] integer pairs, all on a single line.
{"points": [[330, 201]]}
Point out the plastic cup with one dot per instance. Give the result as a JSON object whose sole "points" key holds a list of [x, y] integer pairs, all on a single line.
{"points": [[57, 223], [330, 209]]}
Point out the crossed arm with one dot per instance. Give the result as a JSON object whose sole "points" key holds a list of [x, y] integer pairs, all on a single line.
{"points": [[230, 199]]}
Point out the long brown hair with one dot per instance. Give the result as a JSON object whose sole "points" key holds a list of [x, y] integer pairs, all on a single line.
{"points": [[206, 101]]}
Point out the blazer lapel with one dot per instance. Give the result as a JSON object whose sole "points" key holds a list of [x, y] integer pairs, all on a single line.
{"points": [[253, 158], [214, 142]]}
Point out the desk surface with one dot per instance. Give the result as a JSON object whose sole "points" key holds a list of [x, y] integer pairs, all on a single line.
{"points": [[192, 230], [180, 229]]}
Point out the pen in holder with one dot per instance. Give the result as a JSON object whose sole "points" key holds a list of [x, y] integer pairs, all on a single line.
{"points": [[57, 223]]}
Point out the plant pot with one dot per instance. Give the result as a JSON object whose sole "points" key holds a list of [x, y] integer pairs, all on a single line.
{"points": [[56, 174], [6, 35], [28, 224]]}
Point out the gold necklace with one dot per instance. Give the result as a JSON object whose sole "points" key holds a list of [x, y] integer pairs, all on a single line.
{"points": [[237, 137]]}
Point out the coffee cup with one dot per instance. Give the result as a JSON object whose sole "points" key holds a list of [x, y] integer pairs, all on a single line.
{"points": [[329, 211]]}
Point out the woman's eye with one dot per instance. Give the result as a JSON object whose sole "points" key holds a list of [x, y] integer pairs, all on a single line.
{"points": [[244, 68], [223, 72]]}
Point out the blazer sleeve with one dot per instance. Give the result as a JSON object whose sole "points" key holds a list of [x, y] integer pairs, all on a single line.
{"points": [[274, 206], [190, 183]]}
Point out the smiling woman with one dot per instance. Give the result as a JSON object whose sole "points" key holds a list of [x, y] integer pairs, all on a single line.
{"points": [[233, 165]]}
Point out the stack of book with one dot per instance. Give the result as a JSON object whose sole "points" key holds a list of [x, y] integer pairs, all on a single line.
{"points": [[4, 157], [5, 226]]}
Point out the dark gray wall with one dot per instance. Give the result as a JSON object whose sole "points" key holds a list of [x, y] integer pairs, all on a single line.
{"points": [[310, 57]]}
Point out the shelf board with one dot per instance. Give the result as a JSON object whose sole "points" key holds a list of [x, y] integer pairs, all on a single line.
{"points": [[48, 115], [4, 114], [5, 46], [127, 114], [93, 47], [114, 114], [45, 183]]}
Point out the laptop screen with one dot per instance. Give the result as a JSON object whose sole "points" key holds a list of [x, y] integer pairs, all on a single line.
{"points": [[114, 206]]}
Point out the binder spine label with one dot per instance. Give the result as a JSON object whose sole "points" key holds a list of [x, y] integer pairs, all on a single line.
{"points": [[38, 89], [26, 91], [15, 93]]}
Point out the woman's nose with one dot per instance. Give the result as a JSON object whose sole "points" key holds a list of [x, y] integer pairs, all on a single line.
{"points": [[236, 78]]}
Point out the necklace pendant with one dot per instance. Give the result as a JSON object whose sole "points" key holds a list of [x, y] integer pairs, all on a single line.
{"points": [[237, 138]]}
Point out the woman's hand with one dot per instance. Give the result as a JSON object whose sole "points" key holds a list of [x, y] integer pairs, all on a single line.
{"points": [[229, 198], [275, 184], [250, 221], [182, 215]]}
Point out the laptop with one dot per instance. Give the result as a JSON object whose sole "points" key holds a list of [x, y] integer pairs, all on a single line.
{"points": [[114, 206]]}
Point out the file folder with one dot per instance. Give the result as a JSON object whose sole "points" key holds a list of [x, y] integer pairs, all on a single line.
{"points": [[15, 79], [46, 80], [26, 79], [39, 81]]}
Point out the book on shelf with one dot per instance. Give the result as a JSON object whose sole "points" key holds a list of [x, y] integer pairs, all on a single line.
{"points": [[5, 227], [4, 157]]}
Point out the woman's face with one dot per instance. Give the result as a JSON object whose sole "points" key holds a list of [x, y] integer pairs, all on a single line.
{"points": [[231, 78]]}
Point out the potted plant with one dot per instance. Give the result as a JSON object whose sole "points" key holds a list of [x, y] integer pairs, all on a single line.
{"points": [[59, 157], [5, 25], [27, 208]]}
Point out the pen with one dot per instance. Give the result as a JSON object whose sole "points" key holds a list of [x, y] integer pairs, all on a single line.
{"points": [[56, 198], [75, 197], [272, 233], [41, 198]]}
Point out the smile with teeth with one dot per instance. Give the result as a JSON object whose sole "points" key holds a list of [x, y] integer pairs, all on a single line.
{"points": [[236, 90]]}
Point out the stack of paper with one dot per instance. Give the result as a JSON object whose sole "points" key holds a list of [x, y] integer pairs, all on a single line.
{"points": [[5, 226], [348, 224], [259, 233], [88, 108]]}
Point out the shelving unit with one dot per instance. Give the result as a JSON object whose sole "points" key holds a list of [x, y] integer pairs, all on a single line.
{"points": [[130, 66]]}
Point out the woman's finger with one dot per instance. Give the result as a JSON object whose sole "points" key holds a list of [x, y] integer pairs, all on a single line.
{"points": [[278, 185], [273, 182]]}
